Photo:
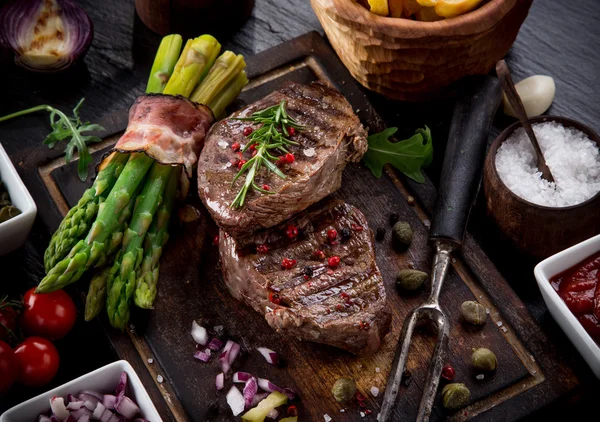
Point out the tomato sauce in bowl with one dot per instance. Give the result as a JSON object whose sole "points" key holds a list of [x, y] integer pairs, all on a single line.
{"points": [[579, 288]]}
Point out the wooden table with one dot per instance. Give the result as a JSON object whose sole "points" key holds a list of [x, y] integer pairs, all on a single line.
{"points": [[556, 39]]}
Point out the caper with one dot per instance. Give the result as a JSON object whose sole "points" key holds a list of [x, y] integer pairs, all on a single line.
{"points": [[8, 212], [484, 359], [402, 234], [455, 396], [343, 389], [473, 312], [411, 280]]}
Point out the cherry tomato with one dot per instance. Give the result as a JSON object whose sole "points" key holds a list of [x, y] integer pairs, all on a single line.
{"points": [[48, 315], [8, 321], [37, 360], [9, 367]]}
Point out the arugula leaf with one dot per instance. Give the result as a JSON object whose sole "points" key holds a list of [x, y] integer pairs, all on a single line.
{"points": [[408, 156], [64, 127]]}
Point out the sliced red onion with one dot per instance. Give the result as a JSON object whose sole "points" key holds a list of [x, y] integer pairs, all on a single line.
{"points": [[273, 414], [77, 414], [42, 44], [204, 356], [220, 381], [126, 407], [235, 400], [258, 398], [87, 398], [241, 377], [215, 344], [98, 411], [199, 334], [269, 355], [268, 386], [93, 393], [57, 404], [250, 390], [75, 405], [84, 418], [89, 405], [106, 416], [122, 386], [109, 401]]}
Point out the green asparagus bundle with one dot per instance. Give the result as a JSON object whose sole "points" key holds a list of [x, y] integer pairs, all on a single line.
{"points": [[156, 238], [96, 297]]}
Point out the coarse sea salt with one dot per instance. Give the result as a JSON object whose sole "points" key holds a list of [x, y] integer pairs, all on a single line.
{"points": [[573, 158]]}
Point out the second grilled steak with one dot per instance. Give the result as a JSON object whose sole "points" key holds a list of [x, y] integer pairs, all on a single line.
{"points": [[333, 136], [291, 281]]}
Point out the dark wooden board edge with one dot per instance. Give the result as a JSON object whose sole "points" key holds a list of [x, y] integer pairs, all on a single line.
{"points": [[312, 45]]}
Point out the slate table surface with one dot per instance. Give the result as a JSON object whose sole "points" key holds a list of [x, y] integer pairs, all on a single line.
{"points": [[561, 39]]}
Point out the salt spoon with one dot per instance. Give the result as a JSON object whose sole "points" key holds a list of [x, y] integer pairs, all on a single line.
{"points": [[515, 101]]}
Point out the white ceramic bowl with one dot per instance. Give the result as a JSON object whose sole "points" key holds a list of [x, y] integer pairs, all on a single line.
{"points": [[14, 232], [103, 380], [544, 271]]}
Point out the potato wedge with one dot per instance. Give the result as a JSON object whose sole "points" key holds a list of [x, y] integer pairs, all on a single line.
{"points": [[427, 3], [379, 7], [427, 14], [452, 8], [396, 8], [411, 7]]}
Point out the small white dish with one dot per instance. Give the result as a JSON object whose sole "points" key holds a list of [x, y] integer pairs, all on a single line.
{"points": [[14, 232], [544, 271], [102, 380]]}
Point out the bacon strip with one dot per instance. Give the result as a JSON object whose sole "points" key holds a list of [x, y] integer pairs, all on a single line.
{"points": [[170, 129]]}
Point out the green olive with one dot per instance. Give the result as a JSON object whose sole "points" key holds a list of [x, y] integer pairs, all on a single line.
{"points": [[411, 280], [473, 312], [402, 234], [484, 359], [455, 396], [344, 389]]}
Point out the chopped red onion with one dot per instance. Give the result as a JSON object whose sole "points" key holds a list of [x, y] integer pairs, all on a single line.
{"points": [[122, 386], [235, 400], [75, 405], [234, 352], [126, 407], [84, 418], [106, 416], [290, 393], [71, 398], [224, 361], [93, 393], [57, 404], [258, 398], [204, 356], [88, 398], [273, 414], [199, 334], [89, 405], [250, 390], [98, 411], [220, 381], [43, 418], [269, 355], [77, 414], [268, 386], [54, 419], [215, 344], [109, 401], [241, 376], [70, 418]]}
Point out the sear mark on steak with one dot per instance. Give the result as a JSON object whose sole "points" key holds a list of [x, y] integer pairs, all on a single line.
{"points": [[333, 136], [343, 306]]}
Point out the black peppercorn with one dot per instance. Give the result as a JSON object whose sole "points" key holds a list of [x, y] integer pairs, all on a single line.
{"points": [[345, 233], [379, 233], [394, 217], [308, 271]]}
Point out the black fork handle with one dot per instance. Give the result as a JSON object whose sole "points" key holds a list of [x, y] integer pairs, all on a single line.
{"points": [[476, 105]]}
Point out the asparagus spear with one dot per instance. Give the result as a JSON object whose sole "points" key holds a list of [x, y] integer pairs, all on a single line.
{"points": [[96, 296], [164, 63], [121, 281], [156, 238], [86, 252], [79, 219], [226, 69], [228, 95]]}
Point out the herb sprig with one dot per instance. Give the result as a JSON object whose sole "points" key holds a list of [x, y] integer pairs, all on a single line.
{"points": [[272, 136], [64, 127]]}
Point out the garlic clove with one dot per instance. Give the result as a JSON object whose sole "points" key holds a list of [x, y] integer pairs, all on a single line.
{"points": [[536, 92]]}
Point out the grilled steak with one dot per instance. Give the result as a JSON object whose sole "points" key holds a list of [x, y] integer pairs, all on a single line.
{"points": [[333, 136], [342, 305]]}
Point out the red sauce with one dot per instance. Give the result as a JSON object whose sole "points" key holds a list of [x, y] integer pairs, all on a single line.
{"points": [[579, 287]]}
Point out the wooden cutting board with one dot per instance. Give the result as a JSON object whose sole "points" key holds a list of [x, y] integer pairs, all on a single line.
{"points": [[530, 375]]}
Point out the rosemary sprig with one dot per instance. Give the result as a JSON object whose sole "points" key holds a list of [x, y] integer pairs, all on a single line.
{"points": [[64, 127], [272, 136]]}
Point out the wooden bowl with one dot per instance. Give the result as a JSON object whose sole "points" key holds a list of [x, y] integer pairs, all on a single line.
{"points": [[534, 229], [416, 61]]}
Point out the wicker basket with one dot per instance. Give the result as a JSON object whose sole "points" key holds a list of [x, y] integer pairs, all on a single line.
{"points": [[416, 61]]}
